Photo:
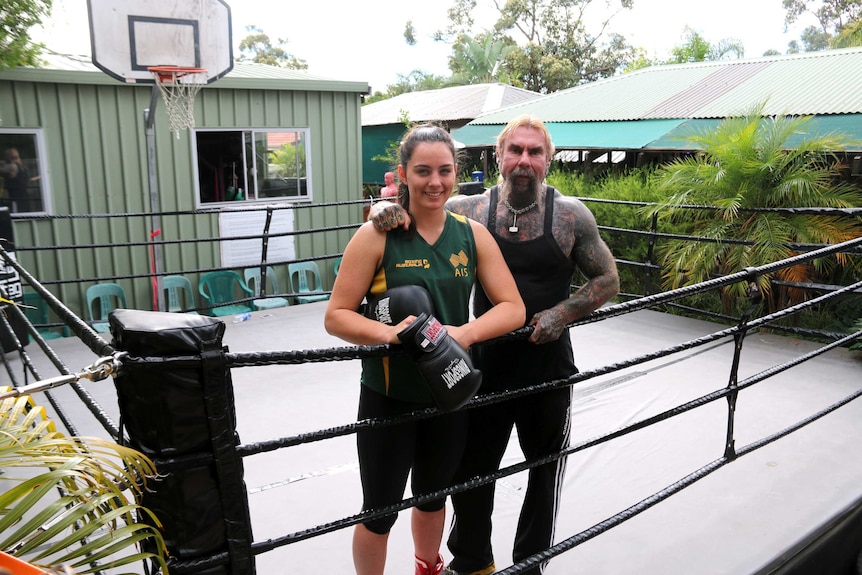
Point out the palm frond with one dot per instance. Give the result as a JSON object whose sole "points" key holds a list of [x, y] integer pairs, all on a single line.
{"points": [[71, 500]]}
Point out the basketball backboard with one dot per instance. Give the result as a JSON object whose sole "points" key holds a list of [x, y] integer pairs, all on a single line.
{"points": [[130, 36]]}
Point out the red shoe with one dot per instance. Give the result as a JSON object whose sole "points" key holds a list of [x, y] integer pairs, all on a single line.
{"points": [[422, 568]]}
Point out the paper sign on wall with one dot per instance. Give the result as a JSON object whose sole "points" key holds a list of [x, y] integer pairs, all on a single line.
{"points": [[248, 252]]}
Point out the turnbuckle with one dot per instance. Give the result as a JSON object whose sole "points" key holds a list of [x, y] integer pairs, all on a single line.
{"points": [[102, 368]]}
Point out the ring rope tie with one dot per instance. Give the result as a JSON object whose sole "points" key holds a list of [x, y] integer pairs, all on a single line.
{"points": [[102, 368]]}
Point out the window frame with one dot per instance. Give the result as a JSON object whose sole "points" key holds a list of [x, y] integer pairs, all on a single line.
{"points": [[247, 138], [41, 172]]}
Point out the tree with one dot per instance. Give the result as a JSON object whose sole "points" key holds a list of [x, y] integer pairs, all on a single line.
{"points": [[289, 160], [415, 81], [640, 60], [850, 35], [17, 17], [833, 16], [696, 48], [258, 48], [552, 48], [479, 60], [747, 162], [410, 33]]}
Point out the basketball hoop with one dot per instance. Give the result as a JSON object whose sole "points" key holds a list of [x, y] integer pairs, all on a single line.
{"points": [[179, 85]]}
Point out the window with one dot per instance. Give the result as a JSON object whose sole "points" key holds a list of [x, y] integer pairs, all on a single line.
{"points": [[23, 177], [252, 165]]}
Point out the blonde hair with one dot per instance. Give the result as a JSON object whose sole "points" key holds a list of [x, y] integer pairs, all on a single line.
{"points": [[525, 121]]}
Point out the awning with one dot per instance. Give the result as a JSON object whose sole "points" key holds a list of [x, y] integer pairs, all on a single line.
{"points": [[849, 124], [579, 135], [649, 134]]}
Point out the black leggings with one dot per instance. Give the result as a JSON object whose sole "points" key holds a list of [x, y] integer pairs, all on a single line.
{"points": [[432, 448]]}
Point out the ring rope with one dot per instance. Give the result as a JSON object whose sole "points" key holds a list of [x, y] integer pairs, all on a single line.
{"points": [[319, 355], [675, 487]]}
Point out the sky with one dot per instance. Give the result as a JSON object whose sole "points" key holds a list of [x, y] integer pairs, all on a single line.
{"points": [[363, 41]]}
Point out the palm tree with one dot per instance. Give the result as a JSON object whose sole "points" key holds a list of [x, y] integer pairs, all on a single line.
{"points": [[749, 162], [71, 502], [478, 60], [850, 35]]}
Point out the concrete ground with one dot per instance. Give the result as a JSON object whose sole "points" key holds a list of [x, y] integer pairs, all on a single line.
{"points": [[740, 519]]}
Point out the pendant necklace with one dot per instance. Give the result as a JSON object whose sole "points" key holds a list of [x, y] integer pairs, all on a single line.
{"points": [[515, 213]]}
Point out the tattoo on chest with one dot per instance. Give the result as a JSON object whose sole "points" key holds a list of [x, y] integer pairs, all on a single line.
{"points": [[524, 226], [531, 226]]}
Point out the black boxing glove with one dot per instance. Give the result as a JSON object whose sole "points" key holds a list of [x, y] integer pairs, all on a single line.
{"points": [[393, 305], [445, 366]]}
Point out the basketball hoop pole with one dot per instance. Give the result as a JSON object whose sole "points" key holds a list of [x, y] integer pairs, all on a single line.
{"points": [[156, 224]]}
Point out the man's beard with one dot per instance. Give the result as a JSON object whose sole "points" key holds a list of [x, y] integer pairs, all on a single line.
{"points": [[521, 192]]}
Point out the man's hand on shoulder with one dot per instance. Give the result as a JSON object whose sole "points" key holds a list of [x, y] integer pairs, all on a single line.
{"points": [[388, 215]]}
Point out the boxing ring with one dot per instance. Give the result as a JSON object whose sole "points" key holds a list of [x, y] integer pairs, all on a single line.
{"points": [[696, 447]]}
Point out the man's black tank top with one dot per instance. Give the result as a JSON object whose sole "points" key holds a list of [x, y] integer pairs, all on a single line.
{"points": [[544, 275]]}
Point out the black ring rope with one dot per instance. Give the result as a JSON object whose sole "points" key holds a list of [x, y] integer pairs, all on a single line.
{"points": [[29, 367], [257, 207], [672, 489], [747, 274], [517, 468], [211, 240], [318, 355], [150, 275], [800, 247], [272, 543], [497, 397], [85, 334], [507, 471], [815, 211]]}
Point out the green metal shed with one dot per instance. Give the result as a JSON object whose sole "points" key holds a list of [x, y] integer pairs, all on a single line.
{"points": [[87, 132]]}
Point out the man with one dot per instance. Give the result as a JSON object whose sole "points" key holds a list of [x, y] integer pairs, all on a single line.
{"points": [[16, 180], [390, 189], [544, 237]]}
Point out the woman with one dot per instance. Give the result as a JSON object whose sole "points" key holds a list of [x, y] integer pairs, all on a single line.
{"points": [[445, 254]]}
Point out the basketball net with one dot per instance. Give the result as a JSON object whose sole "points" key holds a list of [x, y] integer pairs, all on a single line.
{"points": [[179, 85]]}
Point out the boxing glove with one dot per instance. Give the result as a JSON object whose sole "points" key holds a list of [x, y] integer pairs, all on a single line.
{"points": [[393, 305], [444, 365]]}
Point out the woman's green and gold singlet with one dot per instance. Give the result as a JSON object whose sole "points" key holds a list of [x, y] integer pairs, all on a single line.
{"points": [[447, 270]]}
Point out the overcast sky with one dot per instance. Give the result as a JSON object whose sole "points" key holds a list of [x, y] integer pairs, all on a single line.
{"points": [[363, 41]]}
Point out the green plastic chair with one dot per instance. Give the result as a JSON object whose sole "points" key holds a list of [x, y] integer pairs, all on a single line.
{"points": [[336, 266], [107, 296], [37, 314], [252, 280], [218, 289], [179, 295], [305, 279]]}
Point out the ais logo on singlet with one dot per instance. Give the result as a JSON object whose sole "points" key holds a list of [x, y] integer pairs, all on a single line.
{"points": [[459, 261], [414, 264]]}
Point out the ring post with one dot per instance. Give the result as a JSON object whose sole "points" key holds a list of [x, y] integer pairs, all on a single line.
{"points": [[176, 403]]}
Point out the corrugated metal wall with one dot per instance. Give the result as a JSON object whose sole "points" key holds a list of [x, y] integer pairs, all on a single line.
{"points": [[95, 144]]}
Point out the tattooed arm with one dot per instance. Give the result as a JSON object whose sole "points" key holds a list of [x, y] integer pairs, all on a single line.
{"points": [[576, 231]]}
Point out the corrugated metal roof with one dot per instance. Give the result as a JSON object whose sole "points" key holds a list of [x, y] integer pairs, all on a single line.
{"points": [[826, 82], [445, 104]]}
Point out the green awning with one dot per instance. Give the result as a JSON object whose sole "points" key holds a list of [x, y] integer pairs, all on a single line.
{"points": [[849, 124], [627, 135], [478, 136], [649, 134]]}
